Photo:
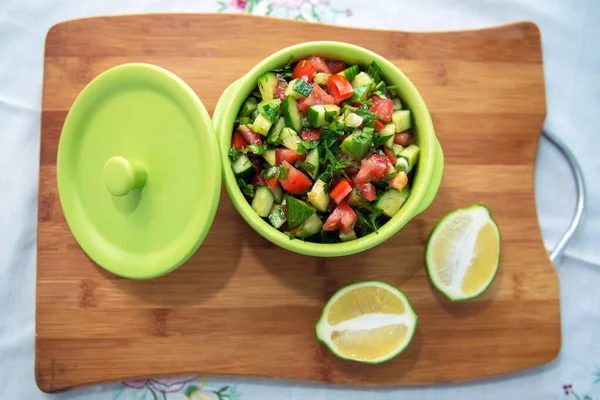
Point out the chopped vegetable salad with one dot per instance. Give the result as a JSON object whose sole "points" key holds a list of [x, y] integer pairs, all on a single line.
{"points": [[323, 150]]}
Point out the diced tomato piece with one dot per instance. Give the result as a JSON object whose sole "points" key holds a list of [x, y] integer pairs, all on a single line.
{"points": [[321, 95], [403, 139], [367, 190], [271, 182], [343, 217], [249, 135], [350, 181], [238, 141], [319, 63], [340, 191], [379, 125], [304, 68], [280, 89], [373, 168], [313, 134], [333, 222], [317, 96], [336, 66], [258, 180], [382, 107], [296, 182], [390, 155], [339, 88], [399, 181], [302, 104], [349, 217], [288, 155]]}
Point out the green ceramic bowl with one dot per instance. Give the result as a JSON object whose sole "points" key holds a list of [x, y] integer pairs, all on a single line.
{"points": [[430, 165]]}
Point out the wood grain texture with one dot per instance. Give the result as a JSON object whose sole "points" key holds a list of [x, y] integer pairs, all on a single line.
{"points": [[242, 306]]}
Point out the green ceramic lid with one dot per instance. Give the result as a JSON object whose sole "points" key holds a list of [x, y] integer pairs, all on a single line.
{"points": [[138, 169]]}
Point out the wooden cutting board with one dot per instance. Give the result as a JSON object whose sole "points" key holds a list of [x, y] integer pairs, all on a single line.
{"points": [[242, 306]]}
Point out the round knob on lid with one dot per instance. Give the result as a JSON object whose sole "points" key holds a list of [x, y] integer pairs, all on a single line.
{"points": [[121, 176]]}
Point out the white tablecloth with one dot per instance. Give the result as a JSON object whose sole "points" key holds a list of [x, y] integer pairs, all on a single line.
{"points": [[572, 67]]}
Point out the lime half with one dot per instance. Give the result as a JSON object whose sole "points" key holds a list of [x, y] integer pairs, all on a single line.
{"points": [[369, 322], [463, 253]]}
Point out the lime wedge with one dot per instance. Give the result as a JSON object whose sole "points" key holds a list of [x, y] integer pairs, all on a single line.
{"points": [[463, 253], [370, 322]]}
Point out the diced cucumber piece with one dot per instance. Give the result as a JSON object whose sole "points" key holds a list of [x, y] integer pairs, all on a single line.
{"points": [[261, 124], [321, 78], [242, 167], [317, 196], [411, 155], [298, 89], [353, 120], [270, 109], [267, 84], [269, 156], [297, 211], [355, 199], [401, 119], [312, 160], [263, 201], [397, 104], [346, 237], [316, 115], [350, 72], [291, 114], [290, 92], [302, 87], [362, 79], [396, 149], [245, 121], [389, 130], [311, 226], [248, 107], [277, 193], [391, 201], [277, 216], [360, 93], [275, 131], [290, 139], [357, 145]]}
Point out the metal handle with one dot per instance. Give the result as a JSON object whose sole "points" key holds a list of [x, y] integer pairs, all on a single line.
{"points": [[578, 174]]}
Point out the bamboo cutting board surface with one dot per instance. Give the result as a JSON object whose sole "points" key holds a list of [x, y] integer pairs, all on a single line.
{"points": [[242, 306]]}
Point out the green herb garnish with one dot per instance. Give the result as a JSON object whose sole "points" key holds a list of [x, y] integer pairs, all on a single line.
{"points": [[246, 188], [379, 140], [375, 72], [306, 145], [308, 167], [367, 116], [283, 174], [369, 223]]}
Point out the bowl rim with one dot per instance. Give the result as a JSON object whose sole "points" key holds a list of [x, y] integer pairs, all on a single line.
{"points": [[232, 100]]}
